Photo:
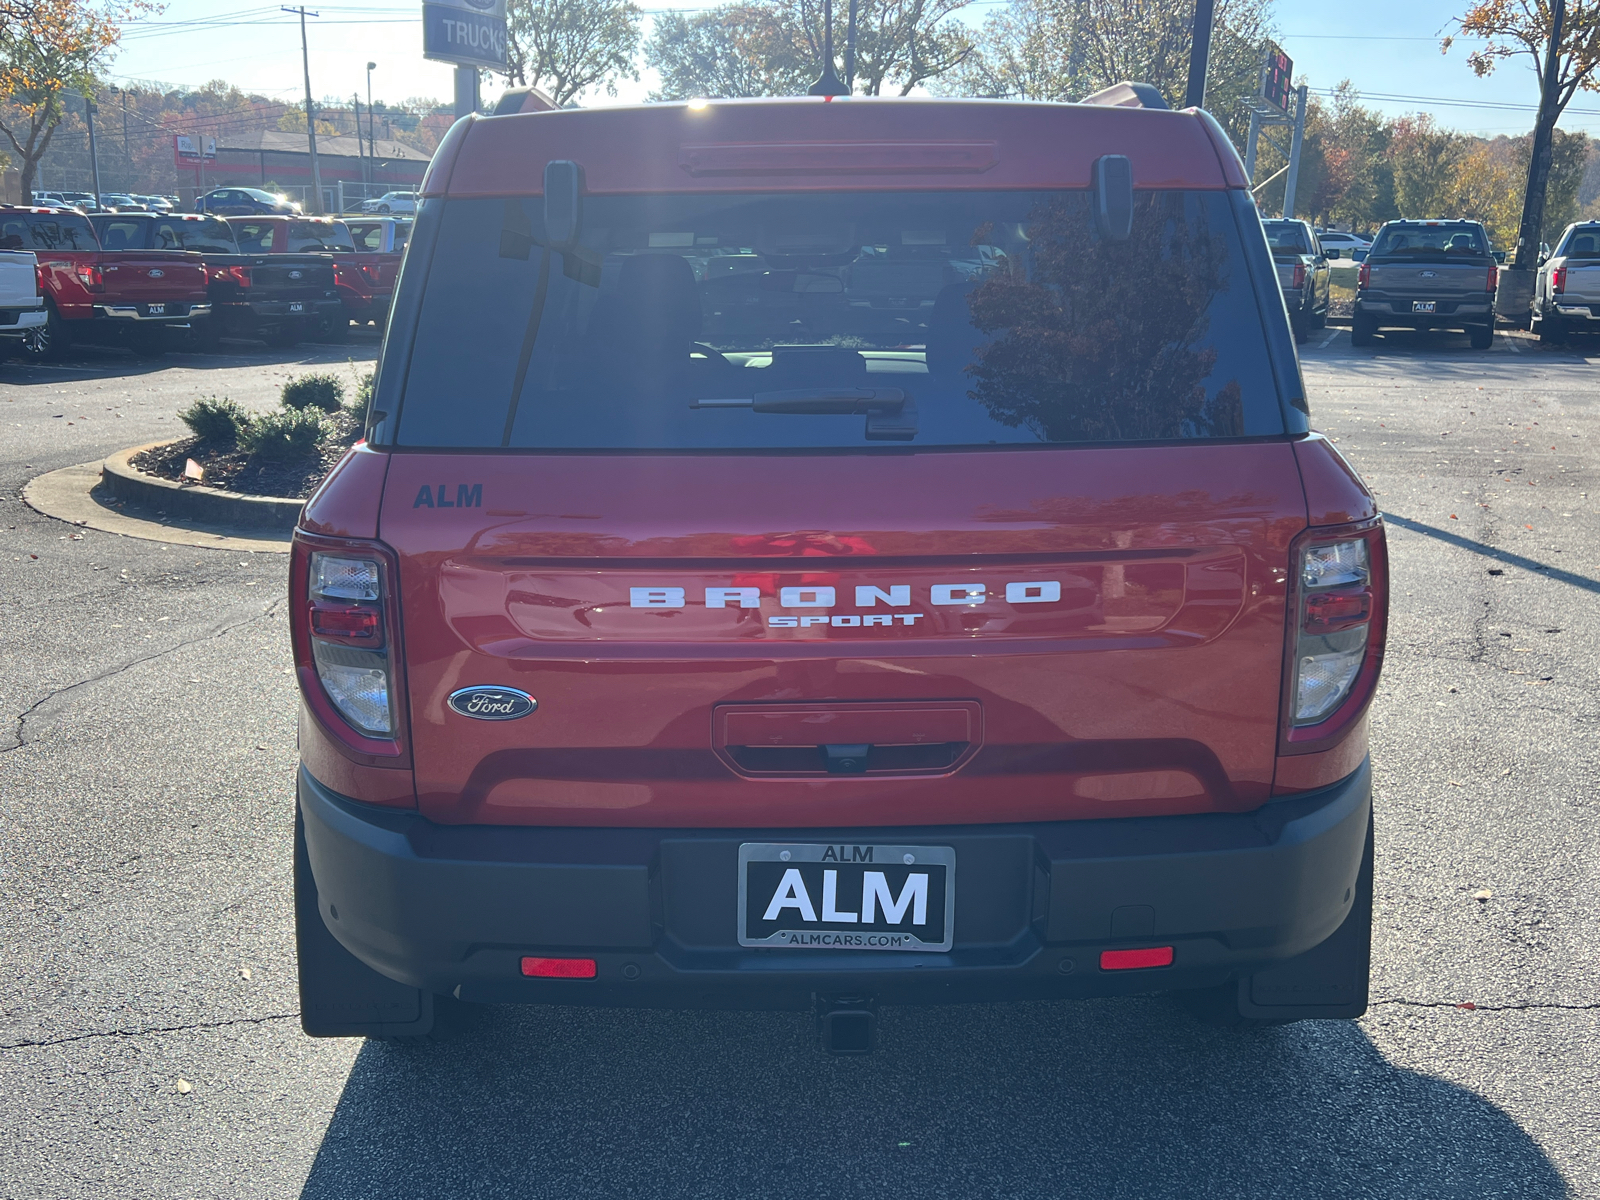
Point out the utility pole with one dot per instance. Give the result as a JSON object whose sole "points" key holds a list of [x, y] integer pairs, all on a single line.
{"points": [[359, 155], [1199, 54], [89, 107], [372, 151], [1513, 298], [467, 98], [311, 114]]}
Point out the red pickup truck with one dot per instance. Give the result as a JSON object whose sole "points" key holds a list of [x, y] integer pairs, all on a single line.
{"points": [[303, 235], [128, 298], [366, 285], [865, 552]]}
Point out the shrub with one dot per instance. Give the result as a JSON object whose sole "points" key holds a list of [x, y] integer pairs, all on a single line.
{"points": [[314, 391], [220, 422], [363, 395], [283, 436]]}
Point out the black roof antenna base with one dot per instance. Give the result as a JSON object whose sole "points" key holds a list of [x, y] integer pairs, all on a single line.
{"points": [[828, 83]]}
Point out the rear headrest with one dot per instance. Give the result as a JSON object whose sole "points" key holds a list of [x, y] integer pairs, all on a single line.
{"points": [[654, 306]]}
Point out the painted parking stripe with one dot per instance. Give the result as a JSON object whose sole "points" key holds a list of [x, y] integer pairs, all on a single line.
{"points": [[1328, 341], [1512, 342]]}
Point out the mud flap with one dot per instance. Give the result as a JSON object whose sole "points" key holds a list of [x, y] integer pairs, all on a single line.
{"points": [[340, 996], [1326, 982]]}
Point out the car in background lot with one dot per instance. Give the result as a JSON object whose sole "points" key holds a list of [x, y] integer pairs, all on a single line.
{"points": [[243, 202], [1345, 243], [155, 203], [1303, 274], [799, 634], [392, 202], [1427, 275], [128, 298], [325, 238], [82, 201], [366, 283], [277, 298], [21, 294], [121, 202], [1566, 294]]}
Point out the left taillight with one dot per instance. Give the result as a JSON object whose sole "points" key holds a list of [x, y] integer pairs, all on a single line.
{"points": [[1299, 276], [1364, 276], [38, 280], [345, 624], [1338, 608], [89, 275], [1558, 278]]}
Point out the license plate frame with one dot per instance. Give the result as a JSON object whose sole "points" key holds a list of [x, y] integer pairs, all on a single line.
{"points": [[155, 310], [1428, 307], [764, 869], [297, 306]]}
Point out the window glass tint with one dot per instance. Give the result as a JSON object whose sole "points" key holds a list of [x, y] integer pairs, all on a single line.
{"points": [[842, 320], [318, 235], [254, 237], [367, 237], [57, 231], [1431, 242], [1287, 237], [402, 234], [120, 235], [208, 235], [1582, 242]]}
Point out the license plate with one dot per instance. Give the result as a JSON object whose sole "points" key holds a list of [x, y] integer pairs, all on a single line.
{"points": [[295, 307], [845, 896], [1424, 306], [157, 310]]}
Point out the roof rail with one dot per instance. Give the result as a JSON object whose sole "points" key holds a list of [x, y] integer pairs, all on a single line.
{"points": [[1128, 95]]}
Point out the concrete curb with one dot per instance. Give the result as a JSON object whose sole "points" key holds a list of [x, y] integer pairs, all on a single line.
{"points": [[195, 501], [79, 496]]}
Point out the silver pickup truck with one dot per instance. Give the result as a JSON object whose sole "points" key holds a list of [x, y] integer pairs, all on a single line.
{"points": [[1566, 297], [1427, 275], [21, 304], [1302, 274]]}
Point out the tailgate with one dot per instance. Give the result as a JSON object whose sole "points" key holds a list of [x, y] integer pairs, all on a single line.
{"points": [[1583, 284], [1431, 280], [142, 275], [19, 285], [1048, 634], [291, 276]]}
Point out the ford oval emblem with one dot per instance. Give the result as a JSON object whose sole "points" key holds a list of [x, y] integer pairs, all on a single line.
{"points": [[294, 274], [492, 703], [156, 273]]}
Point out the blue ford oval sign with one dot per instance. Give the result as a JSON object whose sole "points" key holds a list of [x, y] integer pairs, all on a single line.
{"points": [[492, 703]]}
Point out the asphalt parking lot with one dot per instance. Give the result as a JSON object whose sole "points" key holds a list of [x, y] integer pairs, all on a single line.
{"points": [[149, 1043]]}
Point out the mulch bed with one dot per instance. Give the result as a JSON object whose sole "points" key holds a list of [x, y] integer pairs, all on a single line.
{"points": [[231, 469]]}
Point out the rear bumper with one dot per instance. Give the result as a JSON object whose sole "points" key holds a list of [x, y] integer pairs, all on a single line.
{"points": [[452, 909], [1398, 313], [14, 322], [175, 312]]}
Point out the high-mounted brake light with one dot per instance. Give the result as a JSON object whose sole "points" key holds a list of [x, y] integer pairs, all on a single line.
{"points": [[1337, 611], [1365, 276], [1558, 278], [345, 622]]}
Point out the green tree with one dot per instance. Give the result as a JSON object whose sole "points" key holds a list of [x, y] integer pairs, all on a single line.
{"points": [[1424, 159], [734, 50], [569, 47], [47, 49]]}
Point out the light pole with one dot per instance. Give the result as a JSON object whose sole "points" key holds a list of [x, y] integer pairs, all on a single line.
{"points": [[89, 109], [372, 154], [311, 115]]}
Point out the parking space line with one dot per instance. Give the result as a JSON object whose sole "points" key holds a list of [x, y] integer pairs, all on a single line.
{"points": [[1511, 342], [1328, 341]]}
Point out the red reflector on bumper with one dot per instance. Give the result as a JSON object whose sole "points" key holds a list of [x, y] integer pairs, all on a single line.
{"points": [[572, 968], [1131, 960]]}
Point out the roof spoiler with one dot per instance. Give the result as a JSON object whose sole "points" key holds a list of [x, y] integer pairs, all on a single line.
{"points": [[523, 99], [1127, 95]]}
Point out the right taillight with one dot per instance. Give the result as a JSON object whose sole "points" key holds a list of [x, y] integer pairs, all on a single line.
{"points": [[240, 276], [90, 276], [38, 280], [1365, 275], [1299, 276], [1558, 278], [1338, 605], [344, 620]]}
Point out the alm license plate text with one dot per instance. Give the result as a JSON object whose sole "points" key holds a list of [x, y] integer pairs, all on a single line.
{"points": [[1424, 306], [846, 896]]}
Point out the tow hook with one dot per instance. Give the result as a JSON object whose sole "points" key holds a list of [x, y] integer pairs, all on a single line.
{"points": [[847, 1024]]}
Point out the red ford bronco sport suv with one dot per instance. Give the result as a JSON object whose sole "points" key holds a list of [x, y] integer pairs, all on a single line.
{"points": [[815, 554]]}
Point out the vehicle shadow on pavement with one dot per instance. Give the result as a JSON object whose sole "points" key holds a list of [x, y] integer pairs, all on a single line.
{"points": [[1100, 1099]]}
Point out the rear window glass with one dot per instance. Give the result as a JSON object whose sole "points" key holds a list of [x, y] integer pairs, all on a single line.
{"points": [[367, 238], [1580, 243], [317, 235], [57, 231], [1431, 242], [207, 235], [119, 235], [1287, 237], [836, 321], [253, 237]]}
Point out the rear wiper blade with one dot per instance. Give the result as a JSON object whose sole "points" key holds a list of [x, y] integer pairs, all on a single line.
{"points": [[819, 401]]}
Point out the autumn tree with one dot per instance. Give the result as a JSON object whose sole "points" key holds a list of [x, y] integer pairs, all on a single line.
{"points": [[734, 50], [47, 49], [569, 47], [1424, 159]]}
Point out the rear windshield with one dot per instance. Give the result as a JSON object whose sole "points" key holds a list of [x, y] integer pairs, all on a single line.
{"points": [[835, 321], [119, 233], [207, 235], [1431, 242], [1580, 243], [1287, 237], [53, 231], [253, 237], [307, 236]]}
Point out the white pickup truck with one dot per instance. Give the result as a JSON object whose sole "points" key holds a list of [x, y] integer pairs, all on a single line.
{"points": [[1566, 298], [21, 303]]}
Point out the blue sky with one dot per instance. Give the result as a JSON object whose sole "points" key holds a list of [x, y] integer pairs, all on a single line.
{"points": [[1386, 49]]}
